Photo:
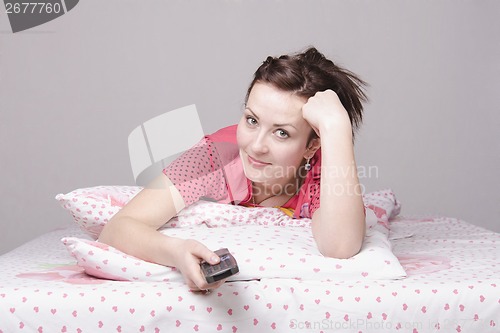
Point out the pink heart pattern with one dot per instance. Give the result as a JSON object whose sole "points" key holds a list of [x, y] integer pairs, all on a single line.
{"points": [[448, 278], [376, 254]]}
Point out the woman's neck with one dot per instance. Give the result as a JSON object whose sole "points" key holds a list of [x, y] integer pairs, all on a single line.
{"points": [[274, 195]]}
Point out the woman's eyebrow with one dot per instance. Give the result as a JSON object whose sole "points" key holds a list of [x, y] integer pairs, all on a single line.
{"points": [[275, 125], [251, 111]]}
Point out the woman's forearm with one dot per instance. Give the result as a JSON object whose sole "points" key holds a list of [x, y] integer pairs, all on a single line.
{"points": [[133, 229], [339, 224], [139, 240]]}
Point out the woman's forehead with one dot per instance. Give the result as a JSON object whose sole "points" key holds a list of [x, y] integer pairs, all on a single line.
{"points": [[281, 107]]}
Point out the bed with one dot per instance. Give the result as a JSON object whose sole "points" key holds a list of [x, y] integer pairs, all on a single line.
{"points": [[443, 276]]}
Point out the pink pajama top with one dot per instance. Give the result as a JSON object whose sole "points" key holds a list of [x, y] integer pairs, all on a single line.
{"points": [[213, 170]]}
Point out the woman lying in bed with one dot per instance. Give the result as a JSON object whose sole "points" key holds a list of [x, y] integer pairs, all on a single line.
{"points": [[295, 137]]}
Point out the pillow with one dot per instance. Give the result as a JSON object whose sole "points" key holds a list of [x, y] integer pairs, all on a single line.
{"points": [[92, 207], [263, 249], [384, 204]]}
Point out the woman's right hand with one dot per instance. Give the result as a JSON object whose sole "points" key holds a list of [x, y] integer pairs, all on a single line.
{"points": [[133, 230], [187, 256]]}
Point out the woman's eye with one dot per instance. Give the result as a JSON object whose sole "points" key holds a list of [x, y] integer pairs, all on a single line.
{"points": [[251, 121], [282, 134]]}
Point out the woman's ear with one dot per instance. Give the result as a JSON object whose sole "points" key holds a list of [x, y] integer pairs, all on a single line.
{"points": [[312, 147]]}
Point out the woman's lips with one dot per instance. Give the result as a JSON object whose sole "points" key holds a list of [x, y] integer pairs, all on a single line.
{"points": [[256, 163]]}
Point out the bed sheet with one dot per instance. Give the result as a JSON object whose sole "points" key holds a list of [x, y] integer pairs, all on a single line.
{"points": [[453, 285]]}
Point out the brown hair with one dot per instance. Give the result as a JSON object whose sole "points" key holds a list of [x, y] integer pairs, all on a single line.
{"points": [[307, 73]]}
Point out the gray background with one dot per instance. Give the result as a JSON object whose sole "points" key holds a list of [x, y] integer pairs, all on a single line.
{"points": [[72, 90]]}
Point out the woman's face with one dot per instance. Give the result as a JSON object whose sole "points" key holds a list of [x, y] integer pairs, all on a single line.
{"points": [[272, 135]]}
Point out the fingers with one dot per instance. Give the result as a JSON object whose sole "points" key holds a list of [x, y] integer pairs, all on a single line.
{"points": [[192, 273], [201, 251], [197, 282], [193, 287], [207, 255]]}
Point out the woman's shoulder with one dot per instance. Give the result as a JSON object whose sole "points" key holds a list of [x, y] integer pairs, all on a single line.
{"points": [[224, 144], [226, 134]]}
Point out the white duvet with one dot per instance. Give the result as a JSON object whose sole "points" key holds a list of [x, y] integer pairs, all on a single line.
{"points": [[266, 242], [452, 285]]}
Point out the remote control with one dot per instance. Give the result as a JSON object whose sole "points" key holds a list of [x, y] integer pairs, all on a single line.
{"points": [[225, 268]]}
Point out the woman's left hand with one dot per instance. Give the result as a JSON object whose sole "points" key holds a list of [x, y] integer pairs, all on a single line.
{"points": [[323, 108]]}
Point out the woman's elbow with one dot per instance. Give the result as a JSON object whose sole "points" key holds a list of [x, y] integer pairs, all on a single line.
{"points": [[336, 251], [106, 235], [339, 239]]}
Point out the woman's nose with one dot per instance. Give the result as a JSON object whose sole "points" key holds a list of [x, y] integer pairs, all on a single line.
{"points": [[259, 144]]}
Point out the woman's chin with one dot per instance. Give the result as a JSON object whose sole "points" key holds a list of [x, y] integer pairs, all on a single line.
{"points": [[255, 178]]}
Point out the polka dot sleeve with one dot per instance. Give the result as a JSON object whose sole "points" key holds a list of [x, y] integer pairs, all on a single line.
{"points": [[199, 172], [309, 194], [308, 200], [314, 197]]}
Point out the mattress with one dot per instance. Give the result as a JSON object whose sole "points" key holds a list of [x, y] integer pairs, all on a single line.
{"points": [[452, 285]]}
